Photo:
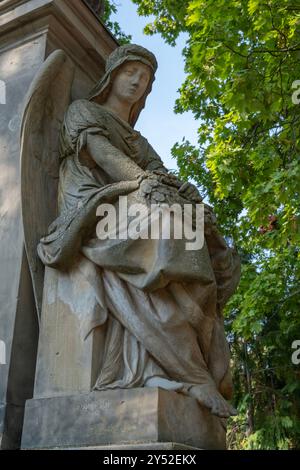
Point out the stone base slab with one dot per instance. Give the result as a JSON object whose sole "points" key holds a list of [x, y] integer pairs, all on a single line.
{"points": [[124, 447], [117, 419]]}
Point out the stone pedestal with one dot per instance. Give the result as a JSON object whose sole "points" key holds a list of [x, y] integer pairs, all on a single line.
{"points": [[66, 362], [144, 418], [29, 31]]}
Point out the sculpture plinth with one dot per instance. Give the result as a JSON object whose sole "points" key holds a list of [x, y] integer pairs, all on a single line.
{"points": [[149, 418]]}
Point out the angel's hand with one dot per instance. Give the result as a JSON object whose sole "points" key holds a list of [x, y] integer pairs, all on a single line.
{"points": [[189, 191], [168, 178], [142, 176], [210, 221], [164, 178]]}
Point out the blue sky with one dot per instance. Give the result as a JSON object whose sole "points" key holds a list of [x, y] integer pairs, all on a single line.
{"points": [[158, 123]]}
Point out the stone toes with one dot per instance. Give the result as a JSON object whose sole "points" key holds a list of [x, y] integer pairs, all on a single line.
{"points": [[206, 402], [220, 409], [225, 414], [233, 411], [222, 413], [216, 404], [209, 403]]}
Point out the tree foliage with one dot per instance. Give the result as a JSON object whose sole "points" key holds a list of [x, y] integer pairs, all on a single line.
{"points": [[104, 10], [241, 63]]}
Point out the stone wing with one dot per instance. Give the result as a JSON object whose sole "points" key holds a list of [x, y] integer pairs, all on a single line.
{"points": [[46, 102]]}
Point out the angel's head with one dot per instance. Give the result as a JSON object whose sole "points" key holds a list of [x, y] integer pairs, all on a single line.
{"points": [[130, 72]]}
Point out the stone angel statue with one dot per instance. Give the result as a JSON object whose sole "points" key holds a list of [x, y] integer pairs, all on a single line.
{"points": [[157, 305]]}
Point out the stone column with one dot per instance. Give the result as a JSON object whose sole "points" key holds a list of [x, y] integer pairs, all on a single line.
{"points": [[29, 31]]}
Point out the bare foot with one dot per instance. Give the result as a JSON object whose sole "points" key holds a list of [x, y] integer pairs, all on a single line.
{"points": [[208, 396]]}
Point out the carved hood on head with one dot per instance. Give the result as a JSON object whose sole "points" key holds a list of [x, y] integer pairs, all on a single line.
{"points": [[128, 52]]}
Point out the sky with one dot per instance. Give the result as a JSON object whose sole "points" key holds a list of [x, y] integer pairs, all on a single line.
{"points": [[158, 122]]}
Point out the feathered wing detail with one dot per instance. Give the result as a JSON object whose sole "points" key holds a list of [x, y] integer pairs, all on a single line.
{"points": [[46, 102]]}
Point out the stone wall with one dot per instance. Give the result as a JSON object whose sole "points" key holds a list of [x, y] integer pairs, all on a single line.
{"points": [[29, 31]]}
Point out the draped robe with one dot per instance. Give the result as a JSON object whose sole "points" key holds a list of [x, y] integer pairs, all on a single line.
{"points": [[160, 303]]}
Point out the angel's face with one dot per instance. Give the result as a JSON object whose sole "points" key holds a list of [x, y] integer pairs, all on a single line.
{"points": [[131, 82]]}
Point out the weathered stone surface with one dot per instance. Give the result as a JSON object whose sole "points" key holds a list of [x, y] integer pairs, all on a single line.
{"points": [[66, 363], [136, 417], [143, 446], [17, 67], [29, 31]]}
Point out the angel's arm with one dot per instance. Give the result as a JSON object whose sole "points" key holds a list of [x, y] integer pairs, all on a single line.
{"points": [[188, 190], [114, 162], [120, 167], [154, 162]]}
